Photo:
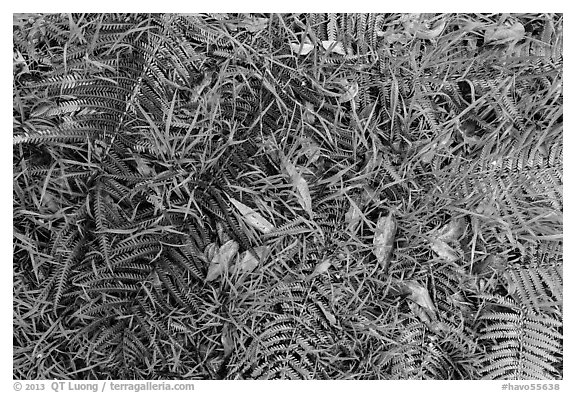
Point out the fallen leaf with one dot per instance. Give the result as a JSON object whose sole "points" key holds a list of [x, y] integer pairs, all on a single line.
{"points": [[502, 34], [350, 91], [250, 259], [444, 251], [511, 284], [210, 251], [311, 149], [419, 295], [49, 202], [254, 25], [223, 235], [487, 208], [420, 312], [142, 166], [420, 28], [384, 235], [352, 216], [252, 217], [303, 48], [221, 260], [309, 116], [430, 34], [392, 38], [453, 230], [321, 268], [430, 153], [487, 266], [334, 47], [19, 62], [369, 195], [303, 192], [227, 341], [329, 316]]}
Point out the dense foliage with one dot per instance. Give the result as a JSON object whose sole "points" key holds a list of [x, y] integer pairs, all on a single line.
{"points": [[197, 196]]}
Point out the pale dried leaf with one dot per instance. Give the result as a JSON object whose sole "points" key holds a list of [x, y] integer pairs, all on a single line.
{"points": [[444, 251], [321, 268], [301, 185], [301, 49], [227, 341], [422, 314], [429, 153], [221, 260], [430, 34], [334, 47], [369, 195], [49, 202], [486, 208], [223, 235], [254, 25], [392, 38], [502, 34], [252, 217], [311, 149], [251, 24], [329, 316], [210, 251], [352, 216], [250, 259], [384, 235], [309, 116], [417, 26], [453, 230], [350, 91], [142, 167], [419, 295]]}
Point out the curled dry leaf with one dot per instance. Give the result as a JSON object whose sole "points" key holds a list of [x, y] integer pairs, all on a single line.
{"points": [[227, 341], [49, 202], [487, 208], [334, 47], [384, 235], [430, 34], [303, 192], [329, 316], [308, 115], [311, 149], [210, 251], [422, 314], [223, 236], [350, 91], [487, 266], [250, 259], [251, 24], [303, 48], [453, 230], [392, 38], [221, 260], [254, 25], [142, 166], [443, 250], [419, 295], [352, 216], [252, 217], [369, 195], [431, 148], [420, 28], [321, 268], [505, 33], [429, 152]]}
